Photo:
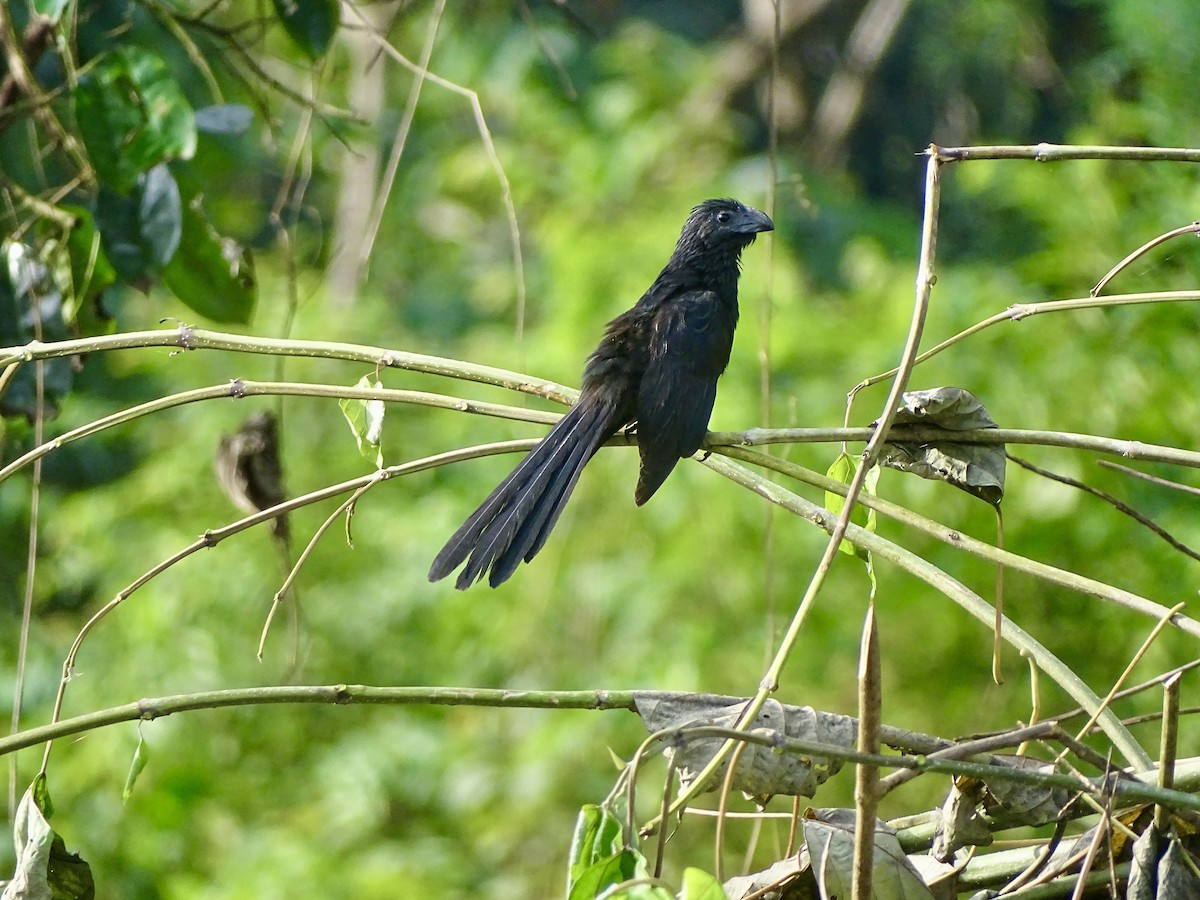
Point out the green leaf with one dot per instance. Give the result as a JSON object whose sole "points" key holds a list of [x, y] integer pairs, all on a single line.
{"points": [[90, 275], [605, 872], [599, 857], [141, 756], [50, 9], [597, 836], [132, 115], [842, 470], [41, 795], [213, 275], [366, 421], [310, 24], [699, 885], [141, 230]]}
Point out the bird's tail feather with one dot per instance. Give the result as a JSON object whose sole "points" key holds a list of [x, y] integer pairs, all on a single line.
{"points": [[516, 518]]}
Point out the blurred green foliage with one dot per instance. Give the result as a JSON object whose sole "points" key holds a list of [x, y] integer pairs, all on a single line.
{"points": [[608, 133]]}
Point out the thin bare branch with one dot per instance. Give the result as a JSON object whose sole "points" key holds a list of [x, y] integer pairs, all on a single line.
{"points": [[1119, 505]]}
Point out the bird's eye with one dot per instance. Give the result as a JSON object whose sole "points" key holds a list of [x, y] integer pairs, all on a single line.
{"points": [[724, 216]]}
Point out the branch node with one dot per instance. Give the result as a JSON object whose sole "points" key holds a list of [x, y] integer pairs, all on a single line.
{"points": [[187, 336]]}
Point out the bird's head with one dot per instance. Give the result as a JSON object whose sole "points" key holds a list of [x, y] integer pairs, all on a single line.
{"points": [[722, 227]]}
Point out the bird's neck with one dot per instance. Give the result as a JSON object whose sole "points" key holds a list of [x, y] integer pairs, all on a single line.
{"points": [[714, 271]]}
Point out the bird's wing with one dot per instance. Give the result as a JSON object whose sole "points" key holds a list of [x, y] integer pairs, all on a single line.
{"points": [[692, 334]]}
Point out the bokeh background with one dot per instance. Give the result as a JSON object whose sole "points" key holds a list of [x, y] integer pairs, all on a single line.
{"points": [[610, 119]]}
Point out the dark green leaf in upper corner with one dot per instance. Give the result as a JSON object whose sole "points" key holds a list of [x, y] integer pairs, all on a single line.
{"points": [[140, 230], [310, 24], [213, 275], [132, 115], [977, 469]]}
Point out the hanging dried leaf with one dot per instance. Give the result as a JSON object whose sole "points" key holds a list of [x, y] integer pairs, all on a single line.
{"points": [[961, 824], [762, 771], [977, 469], [249, 468]]}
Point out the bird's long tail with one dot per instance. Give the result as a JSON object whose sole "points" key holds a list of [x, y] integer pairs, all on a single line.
{"points": [[514, 521]]}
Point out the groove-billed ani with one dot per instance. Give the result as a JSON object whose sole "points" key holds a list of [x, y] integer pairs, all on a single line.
{"points": [[657, 367]]}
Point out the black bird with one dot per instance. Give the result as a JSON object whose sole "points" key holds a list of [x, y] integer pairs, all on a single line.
{"points": [[656, 369]]}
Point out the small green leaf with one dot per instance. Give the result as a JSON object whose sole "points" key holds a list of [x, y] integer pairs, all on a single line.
{"points": [[132, 115], [842, 470], [140, 231], [366, 421], [310, 24], [41, 795], [213, 275], [141, 756]]}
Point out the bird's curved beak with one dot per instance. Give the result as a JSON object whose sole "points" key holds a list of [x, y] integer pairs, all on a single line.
{"points": [[752, 221]]}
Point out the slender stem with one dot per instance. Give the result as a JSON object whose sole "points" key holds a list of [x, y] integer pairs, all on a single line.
{"points": [[188, 338], [1055, 152], [866, 781], [338, 694], [1127, 449], [1019, 311], [303, 558], [241, 389], [1168, 746], [1112, 273]]}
